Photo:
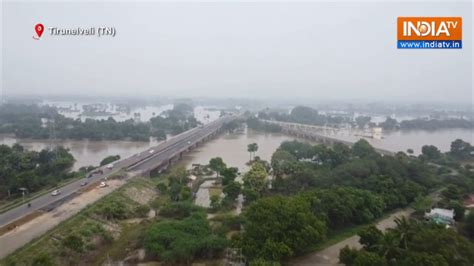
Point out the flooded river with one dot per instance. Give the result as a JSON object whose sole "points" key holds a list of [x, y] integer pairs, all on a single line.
{"points": [[402, 140], [233, 147]]}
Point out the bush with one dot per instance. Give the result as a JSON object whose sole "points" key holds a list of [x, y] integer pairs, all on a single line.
{"points": [[178, 210], [74, 243], [142, 211]]}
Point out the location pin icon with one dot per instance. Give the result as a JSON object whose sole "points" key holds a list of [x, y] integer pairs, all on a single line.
{"points": [[39, 28]]}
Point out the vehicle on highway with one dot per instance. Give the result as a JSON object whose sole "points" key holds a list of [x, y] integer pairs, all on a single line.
{"points": [[55, 192], [96, 172], [83, 183], [189, 142], [151, 151], [103, 184], [110, 166]]}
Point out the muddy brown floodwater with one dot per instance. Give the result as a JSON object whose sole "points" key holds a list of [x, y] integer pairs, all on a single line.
{"points": [[232, 148]]}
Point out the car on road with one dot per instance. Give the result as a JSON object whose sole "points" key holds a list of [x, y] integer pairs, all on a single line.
{"points": [[55, 192], [189, 142], [110, 166], [103, 184], [83, 183], [151, 151]]}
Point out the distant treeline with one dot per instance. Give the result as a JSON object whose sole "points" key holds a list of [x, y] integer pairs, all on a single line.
{"points": [[427, 124], [310, 116], [305, 115], [42, 122]]}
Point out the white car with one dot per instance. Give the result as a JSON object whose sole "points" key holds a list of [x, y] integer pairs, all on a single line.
{"points": [[151, 151], [189, 142], [103, 184], [110, 166], [55, 192]]}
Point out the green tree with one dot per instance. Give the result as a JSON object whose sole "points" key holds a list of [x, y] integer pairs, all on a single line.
{"points": [[370, 237], [109, 159], [278, 227], [458, 209], [362, 149], [254, 182], [229, 174], [282, 162], [252, 149], [217, 165], [469, 224], [232, 190], [430, 152]]}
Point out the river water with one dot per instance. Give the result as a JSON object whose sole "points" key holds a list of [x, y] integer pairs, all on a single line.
{"points": [[233, 147]]}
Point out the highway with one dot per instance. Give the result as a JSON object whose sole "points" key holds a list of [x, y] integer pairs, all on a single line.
{"points": [[141, 162]]}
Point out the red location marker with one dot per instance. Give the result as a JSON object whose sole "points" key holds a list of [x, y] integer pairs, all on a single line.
{"points": [[39, 28]]}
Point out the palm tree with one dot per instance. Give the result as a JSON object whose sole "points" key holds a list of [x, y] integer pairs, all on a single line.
{"points": [[389, 246], [252, 148], [404, 230]]}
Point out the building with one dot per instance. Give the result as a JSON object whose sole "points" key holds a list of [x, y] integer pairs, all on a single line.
{"points": [[441, 216]]}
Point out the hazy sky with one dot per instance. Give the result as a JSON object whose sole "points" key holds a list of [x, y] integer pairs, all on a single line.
{"points": [[315, 50]]}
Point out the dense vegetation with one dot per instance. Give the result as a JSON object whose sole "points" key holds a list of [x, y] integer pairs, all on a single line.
{"points": [[427, 124], [184, 240], [308, 115], [109, 159], [40, 122], [319, 190], [304, 115], [410, 243], [20, 168]]}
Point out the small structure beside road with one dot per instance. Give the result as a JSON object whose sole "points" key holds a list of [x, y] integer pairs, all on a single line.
{"points": [[441, 216]]}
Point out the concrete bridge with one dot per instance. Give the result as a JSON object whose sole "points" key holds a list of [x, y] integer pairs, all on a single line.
{"points": [[146, 163], [311, 132], [166, 155]]}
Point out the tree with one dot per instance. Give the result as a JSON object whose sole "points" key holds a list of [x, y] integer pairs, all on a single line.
{"points": [[430, 152], [252, 148], [362, 149], [254, 182], [370, 237], [282, 162], [410, 151], [232, 190], [469, 224], [277, 228], [460, 148], [458, 209], [389, 124], [217, 165], [348, 255], [109, 159], [229, 174], [422, 204]]}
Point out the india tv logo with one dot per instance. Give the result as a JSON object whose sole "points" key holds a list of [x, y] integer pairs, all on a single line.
{"points": [[429, 33]]}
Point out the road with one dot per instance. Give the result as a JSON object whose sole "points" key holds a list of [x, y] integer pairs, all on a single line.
{"points": [[141, 162], [330, 255]]}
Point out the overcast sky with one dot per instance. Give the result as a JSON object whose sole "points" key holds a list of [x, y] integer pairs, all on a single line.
{"points": [[317, 50]]}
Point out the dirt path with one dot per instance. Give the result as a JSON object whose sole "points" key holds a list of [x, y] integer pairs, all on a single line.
{"points": [[330, 255], [23, 234]]}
